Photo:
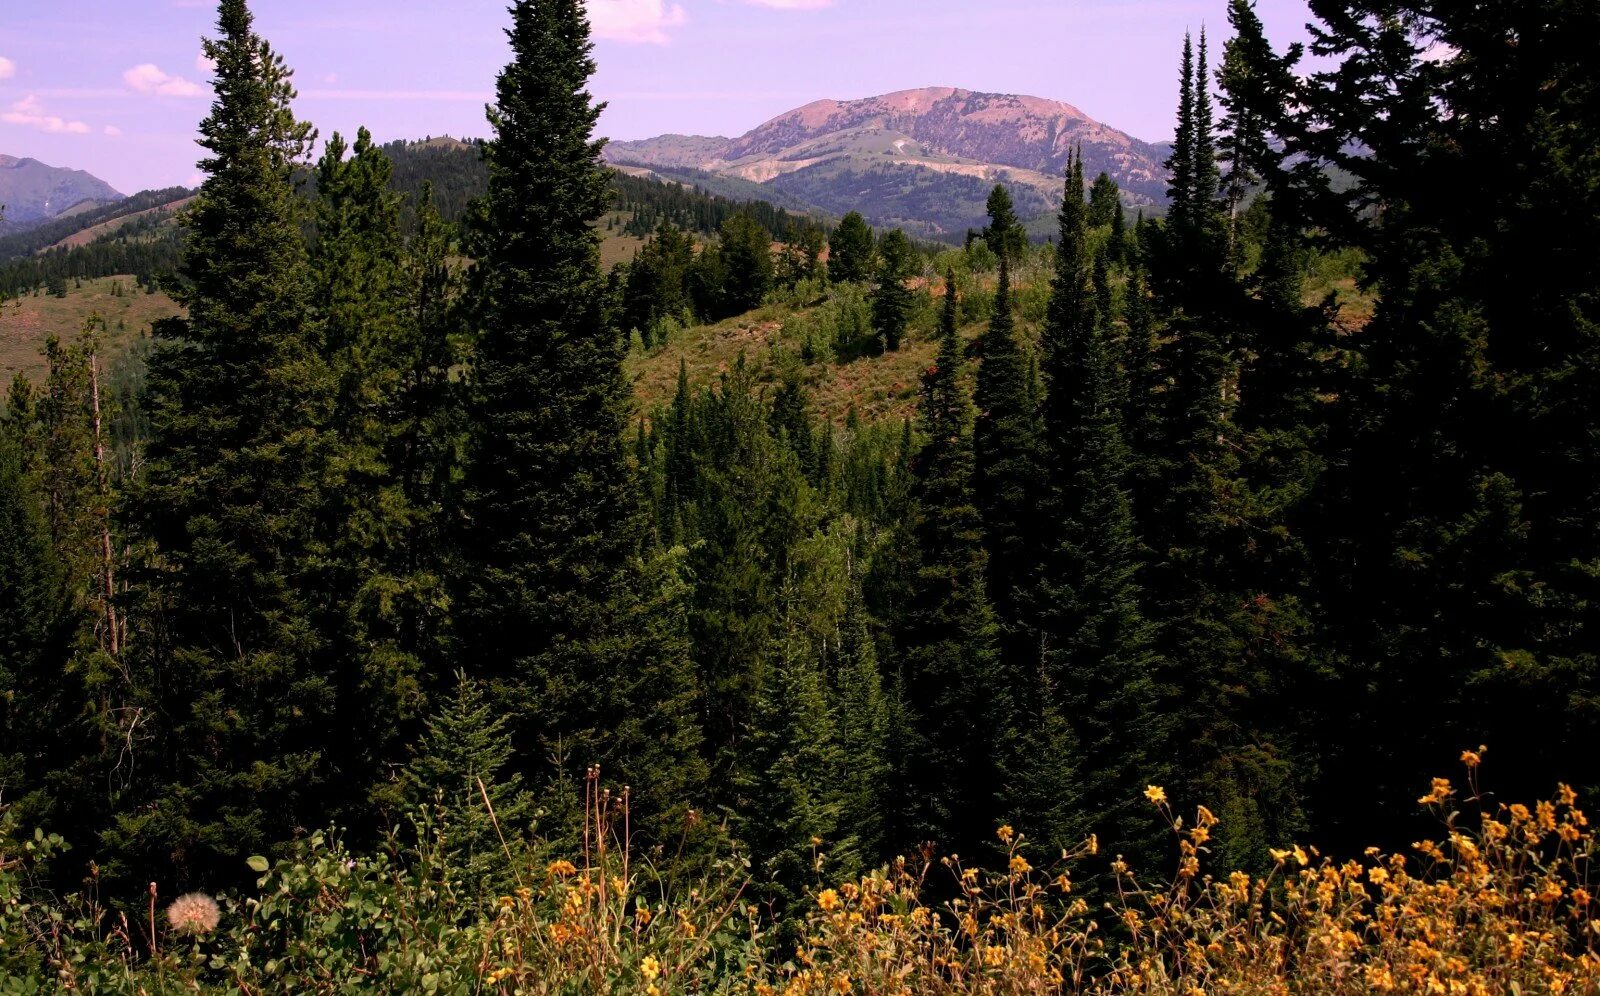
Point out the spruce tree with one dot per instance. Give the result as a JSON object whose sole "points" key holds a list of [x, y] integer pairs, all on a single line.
{"points": [[1098, 672], [747, 261], [35, 631], [861, 719], [358, 268], [790, 796], [1256, 85], [245, 709], [892, 301], [956, 694], [1004, 234], [1010, 473], [548, 562], [465, 757], [1103, 200], [850, 250]]}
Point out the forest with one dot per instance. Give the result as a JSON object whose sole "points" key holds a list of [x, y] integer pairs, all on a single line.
{"points": [[373, 636]]}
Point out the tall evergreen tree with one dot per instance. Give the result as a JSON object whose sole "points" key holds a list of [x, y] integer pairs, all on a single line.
{"points": [[1256, 85], [1098, 670], [1004, 234], [1103, 200], [548, 561], [360, 297], [241, 705], [1010, 472], [850, 250], [955, 691], [892, 301]]}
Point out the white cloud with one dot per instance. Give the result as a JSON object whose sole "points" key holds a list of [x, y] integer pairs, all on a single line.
{"points": [[8, 68], [112, 131], [637, 21], [148, 78], [205, 65], [29, 113]]}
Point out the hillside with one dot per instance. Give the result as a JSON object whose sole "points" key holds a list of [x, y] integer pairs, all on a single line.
{"points": [[33, 192], [920, 159], [26, 322]]}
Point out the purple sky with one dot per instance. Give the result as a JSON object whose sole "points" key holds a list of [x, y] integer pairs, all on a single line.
{"points": [[114, 86]]}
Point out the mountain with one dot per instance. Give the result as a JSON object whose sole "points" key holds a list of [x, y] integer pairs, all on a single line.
{"points": [[920, 159], [33, 192]]}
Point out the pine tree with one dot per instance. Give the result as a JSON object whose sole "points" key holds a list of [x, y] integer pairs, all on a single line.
{"points": [[747, 259], [1256, 86], [231, 501], [892, 301], [358, 267], [850, 250], [548, 561], [1104, 197], [956, 695], [1004, 234], [1010, 473], [465, 757], [861, 721], [789, 788], [1098, 673]]}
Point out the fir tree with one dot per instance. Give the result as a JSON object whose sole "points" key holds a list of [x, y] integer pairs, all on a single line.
{"points": [[231, 501], [1010, 473], [1103, 200], [462, 778], [360, 297], [549, 570], [747, 260], [789, 788], [861, 720], [955, 692], [1098, 671], [850, 251], [1004, 234], [1256, 86], [892, 301]]}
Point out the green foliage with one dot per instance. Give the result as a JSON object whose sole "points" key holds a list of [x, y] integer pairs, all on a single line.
{"points": [[956, 695], [892, 301], [465, 757], [549, 572], [1104, 199], [850, 251], [1004, 233], [231, 502]]}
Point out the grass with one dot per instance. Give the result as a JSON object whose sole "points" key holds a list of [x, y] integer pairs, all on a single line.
{"points": [[26, 322]]}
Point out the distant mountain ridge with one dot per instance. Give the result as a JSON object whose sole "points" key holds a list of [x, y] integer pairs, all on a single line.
{"points": [[922, 158], [34, 192]]}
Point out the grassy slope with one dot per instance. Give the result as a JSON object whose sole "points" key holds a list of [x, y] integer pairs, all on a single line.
{"points": [[26, 322]]}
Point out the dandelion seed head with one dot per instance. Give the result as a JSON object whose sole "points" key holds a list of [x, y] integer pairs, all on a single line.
{"points": [[194, 914]]}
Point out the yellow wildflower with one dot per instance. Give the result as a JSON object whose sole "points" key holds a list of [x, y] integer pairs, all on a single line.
{"points": [[828, 900], [1156, 794], [561, 869], [650, 968]]}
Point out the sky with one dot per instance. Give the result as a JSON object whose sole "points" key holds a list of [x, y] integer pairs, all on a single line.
{"points": [[116, 87]]}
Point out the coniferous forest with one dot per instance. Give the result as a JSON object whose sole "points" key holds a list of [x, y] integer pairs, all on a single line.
{"points": [[376, 637]]}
